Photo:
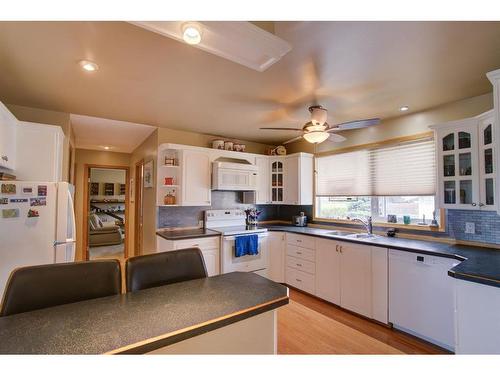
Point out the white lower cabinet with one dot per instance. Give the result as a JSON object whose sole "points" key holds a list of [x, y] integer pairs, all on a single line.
{"points": [[350, 275], [328, 270], [355, 278], [477, 325], [209, 246], [276, 245]]}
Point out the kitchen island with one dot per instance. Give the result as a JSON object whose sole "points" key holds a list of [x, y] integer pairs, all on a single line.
{"points": [[226, 314]]}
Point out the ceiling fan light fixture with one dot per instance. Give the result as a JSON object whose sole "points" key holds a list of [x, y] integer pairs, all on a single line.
{"points": [[316, 136]]}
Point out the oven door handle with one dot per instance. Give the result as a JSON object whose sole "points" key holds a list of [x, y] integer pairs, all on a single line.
{"points": [[231, 238]]}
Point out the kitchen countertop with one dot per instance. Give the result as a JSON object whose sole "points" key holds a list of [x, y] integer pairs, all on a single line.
{"points": [[141, 321], [185, 234], [478, 264]]}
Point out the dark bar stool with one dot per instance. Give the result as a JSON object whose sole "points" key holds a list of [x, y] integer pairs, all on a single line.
{"points": [[148, 271], [38, 287]]}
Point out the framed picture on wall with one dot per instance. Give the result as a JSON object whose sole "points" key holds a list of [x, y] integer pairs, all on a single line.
{"points": [[148, 174]]}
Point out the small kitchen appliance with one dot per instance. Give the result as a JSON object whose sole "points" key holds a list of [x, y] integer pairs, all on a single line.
{"points": [[300, 220]]}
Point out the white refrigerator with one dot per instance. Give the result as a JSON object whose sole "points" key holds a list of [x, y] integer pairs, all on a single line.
{"points": [[37, 225]]}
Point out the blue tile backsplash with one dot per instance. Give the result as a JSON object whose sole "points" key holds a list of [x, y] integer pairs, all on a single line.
{"points": [[487, 225]]}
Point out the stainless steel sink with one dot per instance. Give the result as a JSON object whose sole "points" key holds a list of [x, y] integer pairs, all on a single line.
{"points": [[363, 235], [340, 233]]}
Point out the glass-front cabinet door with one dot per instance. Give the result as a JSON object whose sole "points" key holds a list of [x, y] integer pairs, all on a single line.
{"points": [[487, 161], [277, 174], [458, 166]]}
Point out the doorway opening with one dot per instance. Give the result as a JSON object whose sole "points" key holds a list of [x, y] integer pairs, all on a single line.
{"points": [[107, 201]]}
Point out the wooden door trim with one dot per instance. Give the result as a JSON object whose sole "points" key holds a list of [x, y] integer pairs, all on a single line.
{"points": [[86, 199], [138, 199]]}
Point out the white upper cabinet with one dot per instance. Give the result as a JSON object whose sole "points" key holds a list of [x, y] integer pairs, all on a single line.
{"points": [[277, 179], [262, 194], [487, 162], [183, 176], [466, 164], [196, 178], [8, 126], [298, 179]]}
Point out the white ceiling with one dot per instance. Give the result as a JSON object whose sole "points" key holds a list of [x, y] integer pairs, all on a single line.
{"points": [[355, 69], [95, 133]]}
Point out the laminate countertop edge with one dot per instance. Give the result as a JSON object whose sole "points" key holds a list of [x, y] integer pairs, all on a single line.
{"points": [[199, 329]]}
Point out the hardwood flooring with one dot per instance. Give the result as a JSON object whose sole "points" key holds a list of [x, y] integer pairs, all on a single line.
{"points": [[311, 326]]}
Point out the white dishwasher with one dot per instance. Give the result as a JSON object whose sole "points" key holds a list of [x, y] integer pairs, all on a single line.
{"points": [[421, 296]]}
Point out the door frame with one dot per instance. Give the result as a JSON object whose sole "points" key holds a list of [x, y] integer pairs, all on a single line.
{"points": [[86, 205], [138, 206]]}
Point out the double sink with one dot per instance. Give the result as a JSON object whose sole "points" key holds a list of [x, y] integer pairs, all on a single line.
{"points": [[341, 233]]}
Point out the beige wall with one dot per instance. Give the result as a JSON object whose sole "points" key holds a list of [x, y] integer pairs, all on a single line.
{"points": [[83, 157], [146, 151], [61, 119], [404, 125]]}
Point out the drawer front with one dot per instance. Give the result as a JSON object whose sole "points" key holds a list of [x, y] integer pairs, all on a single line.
{"points": [[301, 264], [203, 243], [300, 240], [300, 280], [301, 253]]}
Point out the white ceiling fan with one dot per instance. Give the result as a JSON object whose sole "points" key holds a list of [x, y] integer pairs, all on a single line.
{"points": [[318, 130]]}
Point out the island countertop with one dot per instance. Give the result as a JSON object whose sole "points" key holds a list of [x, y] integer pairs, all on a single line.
{"points": [[142, 321], [478, 264]]}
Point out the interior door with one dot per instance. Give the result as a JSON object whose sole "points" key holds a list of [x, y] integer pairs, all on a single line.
{"points": [[138, 224], [355, 271]]}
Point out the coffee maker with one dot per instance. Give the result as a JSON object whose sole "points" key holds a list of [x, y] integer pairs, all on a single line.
{"points": [[300, 220]]}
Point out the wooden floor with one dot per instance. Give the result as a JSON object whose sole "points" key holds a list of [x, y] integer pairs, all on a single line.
{"points": [[311, 326]]}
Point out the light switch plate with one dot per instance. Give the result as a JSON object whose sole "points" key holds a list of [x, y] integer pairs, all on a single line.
{"points": [[470, 228]]}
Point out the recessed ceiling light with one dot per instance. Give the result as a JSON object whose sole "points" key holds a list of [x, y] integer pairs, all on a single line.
{"points": [[191, 33], [404, 108], [89, 66]]}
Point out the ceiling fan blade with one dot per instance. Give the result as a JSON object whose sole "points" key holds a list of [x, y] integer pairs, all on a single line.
{"points": [[294, 129], [336, 138], [292, 140], [358, 124]]}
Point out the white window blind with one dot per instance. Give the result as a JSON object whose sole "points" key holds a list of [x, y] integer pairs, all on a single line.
{"points": [[399, 170], [346, 174]]}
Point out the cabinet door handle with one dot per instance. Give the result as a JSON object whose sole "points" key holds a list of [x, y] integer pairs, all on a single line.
{"points": [[298, 252], [5, 158], [299, 280], [340, 249], [473, 204], [298, 264], [337, 248], [481, 204], [299, 240]]}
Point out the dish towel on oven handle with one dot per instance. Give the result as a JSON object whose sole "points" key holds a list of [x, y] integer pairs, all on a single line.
{"points": [[246, 245]]}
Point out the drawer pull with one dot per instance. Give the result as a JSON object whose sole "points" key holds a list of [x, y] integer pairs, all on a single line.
{"points": [[337, 248], [299, 240], [298, 252], [298, 264], [299, 280]]}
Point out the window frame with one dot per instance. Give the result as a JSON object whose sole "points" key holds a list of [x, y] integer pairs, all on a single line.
{"points": [[442, 219]]}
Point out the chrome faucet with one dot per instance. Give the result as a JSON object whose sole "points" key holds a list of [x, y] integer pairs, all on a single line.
{"points": [[368, 224]]}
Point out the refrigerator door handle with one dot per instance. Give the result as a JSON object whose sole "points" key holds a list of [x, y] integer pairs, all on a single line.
{"points": [[57, 243], [73, 224]]}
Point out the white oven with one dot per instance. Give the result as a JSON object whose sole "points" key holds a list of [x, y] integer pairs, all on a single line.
{"points": [[248, 263], [231, 224]]}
